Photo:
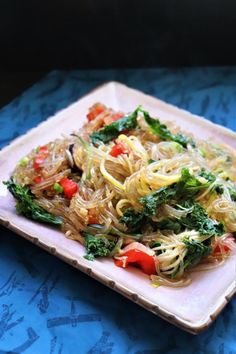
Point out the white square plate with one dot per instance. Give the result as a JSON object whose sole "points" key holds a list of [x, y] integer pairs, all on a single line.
{"points": [[192, 308]]}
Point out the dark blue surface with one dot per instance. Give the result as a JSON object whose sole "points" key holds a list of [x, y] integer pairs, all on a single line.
{"points": [[47, 306]]}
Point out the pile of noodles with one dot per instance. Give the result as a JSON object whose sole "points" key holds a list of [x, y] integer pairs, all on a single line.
{"points": [[109, 185]]}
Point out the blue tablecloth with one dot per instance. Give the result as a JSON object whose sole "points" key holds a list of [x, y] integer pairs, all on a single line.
{"points": [[47, 306]]}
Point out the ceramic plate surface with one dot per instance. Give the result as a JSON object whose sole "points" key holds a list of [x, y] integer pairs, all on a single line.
{"points": [[192, 308]]}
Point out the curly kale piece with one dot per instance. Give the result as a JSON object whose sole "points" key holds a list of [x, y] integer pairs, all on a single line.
{"points": [[181, 193], [27, 206], [207, 175], [163, 132], [112, 130], [133, 220], [186, 188], [153, 201], [97, 246], [232, 193], [169, 224], [129, 122], [196, 251], [196, 219]]}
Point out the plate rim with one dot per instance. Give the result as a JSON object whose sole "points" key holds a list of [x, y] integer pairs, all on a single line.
{"points": [[96, 274]]}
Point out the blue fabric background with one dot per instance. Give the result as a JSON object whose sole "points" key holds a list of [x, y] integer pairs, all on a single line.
{"points": [[47, 306]]}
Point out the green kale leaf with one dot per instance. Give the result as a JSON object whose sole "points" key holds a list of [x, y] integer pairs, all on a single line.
{"points": [[196, 251], [197, 219], [133, 220], [97, 246], [27, 206], [168, 224], [112, 130], [232, 193], [186, 188], [129, 122], [163, 132], [207, 175], [153, 201]]}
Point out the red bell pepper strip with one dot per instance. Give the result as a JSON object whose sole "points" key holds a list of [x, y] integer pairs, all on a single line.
{"points": [[69, 187], [138, 258]]}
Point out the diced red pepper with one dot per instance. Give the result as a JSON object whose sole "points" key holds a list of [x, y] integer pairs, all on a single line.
{"points": [[43, 149], [95, 110], [118, 149], [69, 187], [40, 157], [140, 259], [38, 179]]}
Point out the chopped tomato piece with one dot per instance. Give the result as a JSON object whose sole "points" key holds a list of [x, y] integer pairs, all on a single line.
{"points": [[38, 179], [138, 258], [95, 110], [118, 149], [69, 187]]}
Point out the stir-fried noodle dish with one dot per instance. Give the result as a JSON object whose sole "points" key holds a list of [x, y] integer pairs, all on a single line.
{"points": [[129, 187]]}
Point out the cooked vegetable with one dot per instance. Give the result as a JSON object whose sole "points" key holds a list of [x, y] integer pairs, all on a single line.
{"points": [[163, 132], [58, 188], [138, 258], [196, 251], [207, 175], [26, 204], [197, 219], [42, 154], [69, 187], [38, 179], [114, 129], [23, 162], [169, 224], [186, 188], [232, 194], [118, 149], [97, 246], [132, 219], [153, 201], [95, 110]]}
